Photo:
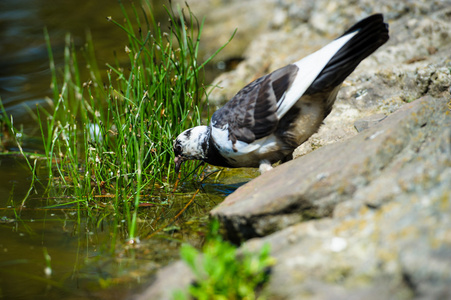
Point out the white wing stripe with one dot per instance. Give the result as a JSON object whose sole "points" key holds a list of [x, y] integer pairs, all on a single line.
{"points": [[309, 69]]}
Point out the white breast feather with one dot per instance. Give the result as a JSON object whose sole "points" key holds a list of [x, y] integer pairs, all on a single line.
{"points": [[221, 137]]}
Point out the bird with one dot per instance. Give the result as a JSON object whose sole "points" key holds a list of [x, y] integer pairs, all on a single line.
{"points": [[274, 114]]}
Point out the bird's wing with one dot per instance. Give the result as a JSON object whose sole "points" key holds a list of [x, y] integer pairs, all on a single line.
{"points": [[308, 70], [371, 33], [252, 113], [255, 111]]}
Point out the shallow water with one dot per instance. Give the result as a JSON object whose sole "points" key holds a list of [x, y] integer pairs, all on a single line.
{"points": [[24, 65], [70, 251], [88, 249]]}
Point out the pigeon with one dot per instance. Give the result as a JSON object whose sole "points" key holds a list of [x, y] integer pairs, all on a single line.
{"points": [[271, 116]]}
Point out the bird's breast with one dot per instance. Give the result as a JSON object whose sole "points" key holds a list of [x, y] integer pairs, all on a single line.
{"points": [[241, 154]]}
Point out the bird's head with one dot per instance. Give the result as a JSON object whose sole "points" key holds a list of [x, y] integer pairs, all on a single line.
{"points": [[193, 143]]}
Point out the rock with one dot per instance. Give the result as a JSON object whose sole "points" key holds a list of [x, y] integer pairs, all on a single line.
{"points": [[364, 211], [375, 212], [315, 183], [398, 251], [401, 71], [174, 277], [388, 233], [266, 16], [415, 35], [219, 25]]}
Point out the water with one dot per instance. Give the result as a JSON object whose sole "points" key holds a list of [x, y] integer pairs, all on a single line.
{"points": [[88, 249], [24, 66], [71, 251]]}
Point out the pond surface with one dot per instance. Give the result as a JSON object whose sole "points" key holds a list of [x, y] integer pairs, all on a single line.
{"points": [[74, 251], [88, 251]]}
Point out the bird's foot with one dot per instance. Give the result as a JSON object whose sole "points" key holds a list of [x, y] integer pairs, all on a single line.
{"points": [[265, 166]]}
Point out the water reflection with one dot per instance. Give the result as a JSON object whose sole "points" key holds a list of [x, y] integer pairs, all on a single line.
{"points": [[23, 55]]}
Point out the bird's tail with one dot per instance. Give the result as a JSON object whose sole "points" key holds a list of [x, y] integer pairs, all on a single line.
{"points": [[372, 33]]}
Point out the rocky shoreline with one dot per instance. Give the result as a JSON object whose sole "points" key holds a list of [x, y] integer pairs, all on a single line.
{"points": [[381, 209], [364, 211]]}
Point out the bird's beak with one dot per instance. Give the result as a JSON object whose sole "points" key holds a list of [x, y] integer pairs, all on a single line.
{"points": [[178, 163]]}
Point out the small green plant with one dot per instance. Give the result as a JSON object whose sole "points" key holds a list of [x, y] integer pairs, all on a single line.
{"points": [[222, 272]]}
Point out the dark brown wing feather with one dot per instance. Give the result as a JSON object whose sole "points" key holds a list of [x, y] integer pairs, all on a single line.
{"points": [[251, 113]]}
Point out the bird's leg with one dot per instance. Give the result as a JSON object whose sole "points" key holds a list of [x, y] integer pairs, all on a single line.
{"points": [[265, 166]]}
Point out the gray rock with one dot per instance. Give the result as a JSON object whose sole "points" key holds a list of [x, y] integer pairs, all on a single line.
{"points": [[390, 238], [414, 62], [174, 277], [364, 211], [220, 25], [311, 186], [419, 37], [382, 200]]}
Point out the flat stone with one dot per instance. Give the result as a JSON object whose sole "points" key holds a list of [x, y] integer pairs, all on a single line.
{"points": [[174, 277], [391, 238], [312, 185], [364, 212]]}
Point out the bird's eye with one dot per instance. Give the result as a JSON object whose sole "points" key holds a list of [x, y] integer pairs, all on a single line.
{"points": [[177, 149]]}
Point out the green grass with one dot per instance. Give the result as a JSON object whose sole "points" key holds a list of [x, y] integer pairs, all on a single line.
{"points": [[112, 133], [107, 145], [221, 272]]}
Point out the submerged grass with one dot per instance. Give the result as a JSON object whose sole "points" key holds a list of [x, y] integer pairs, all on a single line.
{"points": [[113, 134]]}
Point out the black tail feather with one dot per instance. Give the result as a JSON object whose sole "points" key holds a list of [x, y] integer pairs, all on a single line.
{"points": [[372, 33]]}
